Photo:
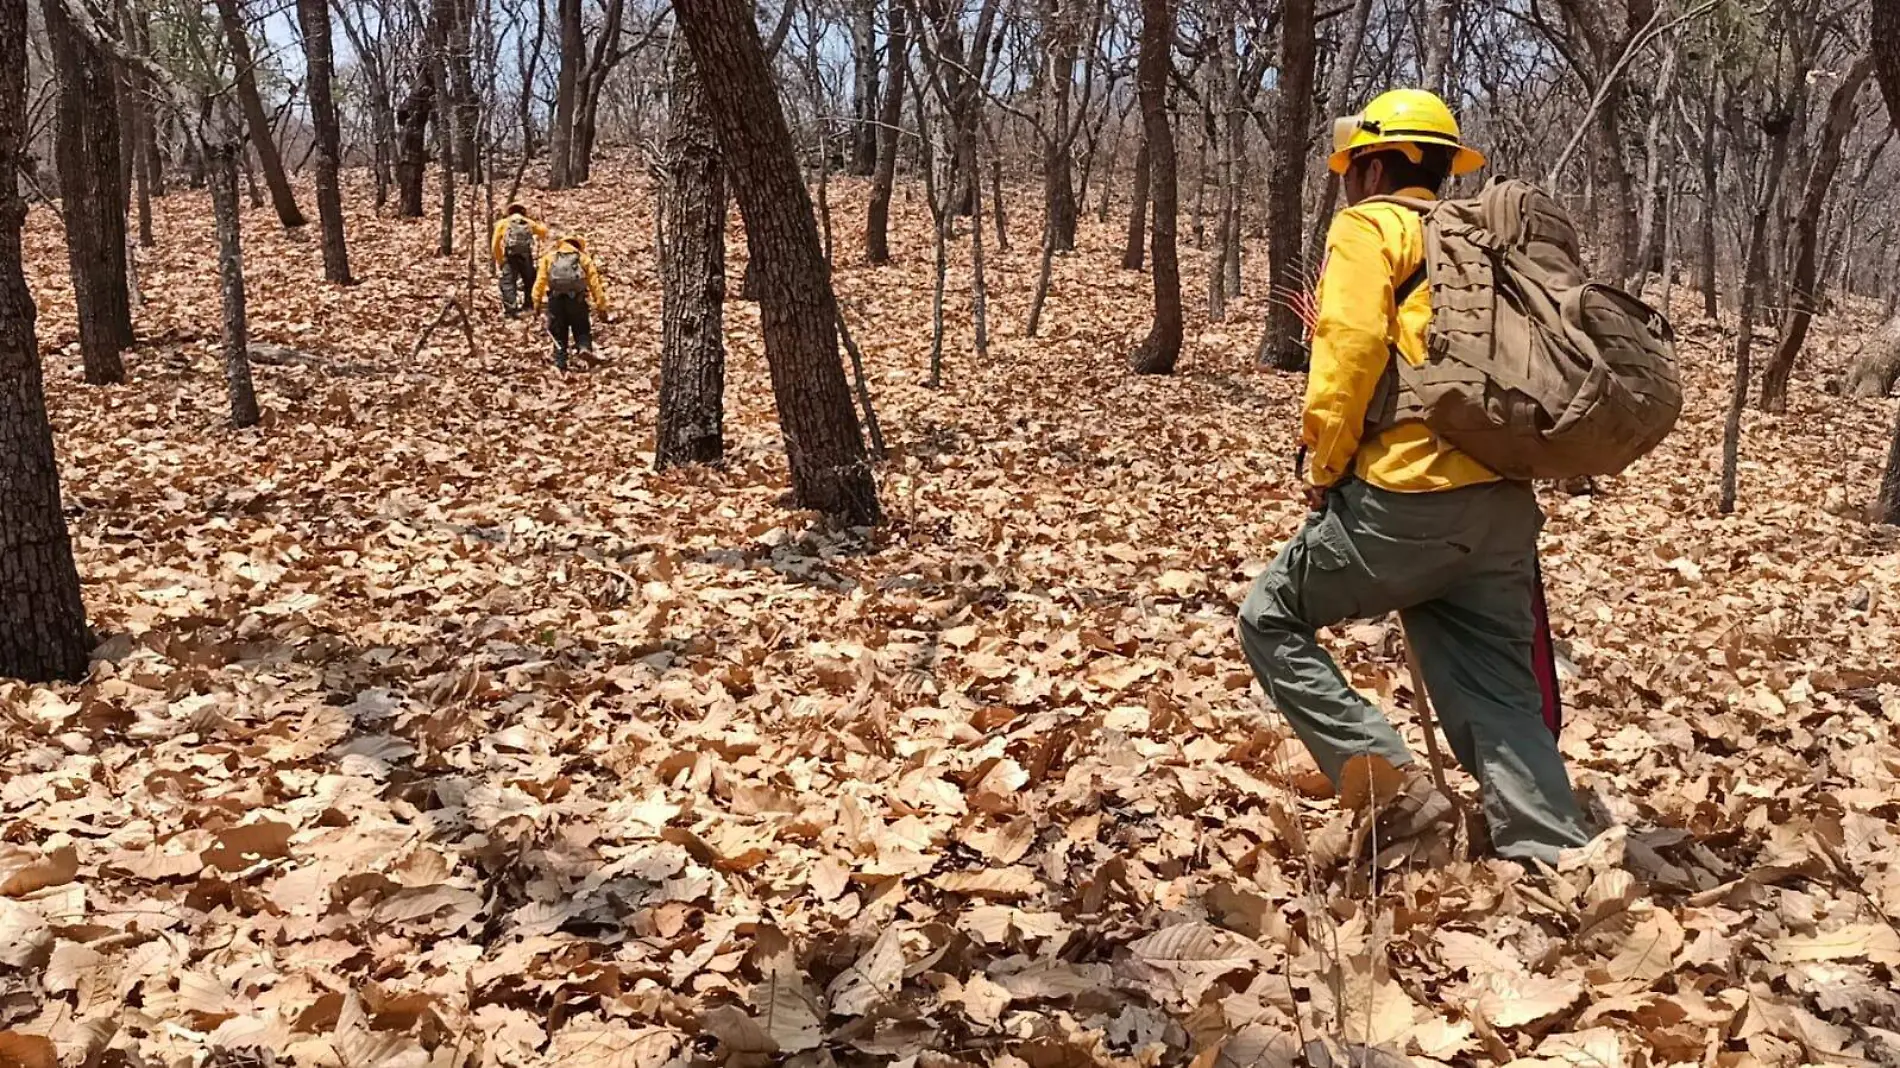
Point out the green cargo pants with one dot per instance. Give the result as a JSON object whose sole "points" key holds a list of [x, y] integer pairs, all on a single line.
{"points": [[1457, 567]]}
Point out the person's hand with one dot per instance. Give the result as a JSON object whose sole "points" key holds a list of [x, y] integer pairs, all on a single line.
{"points": [[1315, 497]]}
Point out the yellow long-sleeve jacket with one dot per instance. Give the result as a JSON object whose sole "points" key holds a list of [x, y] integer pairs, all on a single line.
{"points": [[597, 293], [1370, 249], [500, 239]]}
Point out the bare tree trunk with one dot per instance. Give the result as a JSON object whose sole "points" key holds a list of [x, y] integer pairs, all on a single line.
{"points": [[692, 420], [412, 152], [1754, 279], [237, 332], [1133, 248], [877, 219], [1162, 349], [1841, 115], [87, 149], [1338, 85], [979, 288], [864, 98], [798, 311], [1647, 237], [1438, 32], [1281, 346], [445, 139], [1886, 507], [263, 139], [314, 16], [1061, 29], [45, 636], [1711, 305], [561, 137]]}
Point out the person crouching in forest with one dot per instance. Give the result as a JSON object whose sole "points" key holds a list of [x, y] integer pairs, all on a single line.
{"points": [[514, 248], [566, 286]]}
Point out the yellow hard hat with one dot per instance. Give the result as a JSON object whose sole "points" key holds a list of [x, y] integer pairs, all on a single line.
{"points": [[1401, 117]]}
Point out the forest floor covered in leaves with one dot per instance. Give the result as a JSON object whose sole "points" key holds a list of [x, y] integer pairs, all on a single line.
{"points": [[432, 726]]}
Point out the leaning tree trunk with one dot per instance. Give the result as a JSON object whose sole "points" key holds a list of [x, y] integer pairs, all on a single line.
{"points": [[692, 416], [1132, 251], [412, 149], [1841, 115], [561, 137], [263, 138], [798, 311], [87, 148], [890, 112], [45, 634], [314, 16], [1282, 346], [237, 330], [1158, 354]]}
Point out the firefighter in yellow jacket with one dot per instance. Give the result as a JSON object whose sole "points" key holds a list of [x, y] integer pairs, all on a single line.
{"points": [[514, 247], [567, 285], [1402, 521]]}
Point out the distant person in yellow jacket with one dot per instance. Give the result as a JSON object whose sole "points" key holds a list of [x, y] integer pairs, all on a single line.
{"points": [[566, 286], [514, 246], [1404, 522]]}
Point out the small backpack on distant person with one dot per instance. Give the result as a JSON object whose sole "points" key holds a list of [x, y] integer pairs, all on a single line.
{"points": [[1531, 369], [518, 239], [565, 274]]}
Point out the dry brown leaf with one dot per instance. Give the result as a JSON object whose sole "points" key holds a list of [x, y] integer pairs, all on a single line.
{"points": [[1873, 941], [872, 980], [1375, 1009], [782, 1003], [1001, 884], [23, 871], [21, 1050], [982, 1000], [238, 848], [1513, 1000]]}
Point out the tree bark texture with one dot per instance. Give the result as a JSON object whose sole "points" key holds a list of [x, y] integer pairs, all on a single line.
{"points": [[1711, 299], [256, 120], [890, 112], [314, 17], [1754, 282], [1162, 349], [1133, 251], [412, 149], [1324, 182], [1885, 42], [798, 311], [1841, 114], [237, 330], [865, 108], [561, 137], [692, 416], [1281, 346], [45, 635], [87, 149], [1062, 29]]}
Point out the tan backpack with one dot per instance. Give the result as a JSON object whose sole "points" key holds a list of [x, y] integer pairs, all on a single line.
{"points": [[1530, 368]]}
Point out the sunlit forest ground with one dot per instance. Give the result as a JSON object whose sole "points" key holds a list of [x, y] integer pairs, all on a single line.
{"points": [[433, 726]]}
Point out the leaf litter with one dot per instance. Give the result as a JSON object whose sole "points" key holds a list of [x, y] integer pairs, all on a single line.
{"points": [[433, 728]]}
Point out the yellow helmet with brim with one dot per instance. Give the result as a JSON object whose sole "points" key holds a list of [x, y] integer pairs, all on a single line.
{"points": [[1401, 119]]}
